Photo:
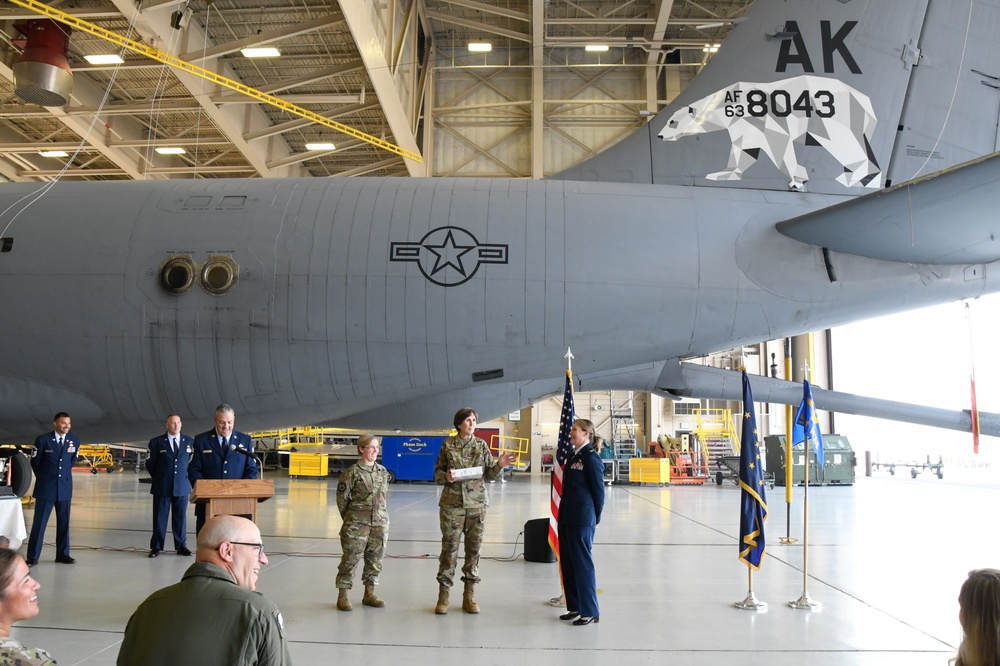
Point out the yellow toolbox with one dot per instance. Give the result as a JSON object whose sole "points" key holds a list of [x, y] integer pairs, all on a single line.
{"points": [[308, 464], [649, 470]]}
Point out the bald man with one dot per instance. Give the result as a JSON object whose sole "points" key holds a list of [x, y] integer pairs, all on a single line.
{"points": [[233, 624]]}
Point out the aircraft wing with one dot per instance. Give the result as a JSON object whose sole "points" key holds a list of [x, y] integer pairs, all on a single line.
{"points": [[688, 380], [946, 218]]}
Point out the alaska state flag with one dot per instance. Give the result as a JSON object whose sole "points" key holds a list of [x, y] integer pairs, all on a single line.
{"points": [[753, 510], [806, 425]]}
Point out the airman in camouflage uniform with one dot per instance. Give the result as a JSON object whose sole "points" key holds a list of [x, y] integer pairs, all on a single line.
{"points": [[361, 494], [463, 506], [13, 653]]}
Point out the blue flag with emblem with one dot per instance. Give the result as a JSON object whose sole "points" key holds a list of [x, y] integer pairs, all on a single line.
{"points": [[806, 424], [753, 510]]}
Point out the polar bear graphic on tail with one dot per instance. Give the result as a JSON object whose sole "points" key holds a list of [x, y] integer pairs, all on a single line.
{"points": [[771, 118]]}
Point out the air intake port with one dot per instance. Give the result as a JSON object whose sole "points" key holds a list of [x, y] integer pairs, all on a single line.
{"points": [[219, 274], [178, 275]]}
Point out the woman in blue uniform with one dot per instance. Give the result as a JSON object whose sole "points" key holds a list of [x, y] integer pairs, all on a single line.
{"points": [[579, 514]]}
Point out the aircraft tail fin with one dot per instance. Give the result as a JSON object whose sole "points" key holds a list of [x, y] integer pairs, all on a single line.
{"points": [[830, 97]]}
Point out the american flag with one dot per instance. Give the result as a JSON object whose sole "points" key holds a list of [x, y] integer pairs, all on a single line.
{"points": [[563, 451]]}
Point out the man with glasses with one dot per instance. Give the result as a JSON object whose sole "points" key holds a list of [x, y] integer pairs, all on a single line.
{"points": [[233, 625]]}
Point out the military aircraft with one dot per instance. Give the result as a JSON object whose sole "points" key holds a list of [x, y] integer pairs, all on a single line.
{"points": [[827, 165]]}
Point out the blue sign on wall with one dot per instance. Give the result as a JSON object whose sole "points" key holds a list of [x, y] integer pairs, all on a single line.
{"points": [[411, 458]]}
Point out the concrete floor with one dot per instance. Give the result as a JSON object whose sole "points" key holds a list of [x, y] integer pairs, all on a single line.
{"points": [[886, 559]]}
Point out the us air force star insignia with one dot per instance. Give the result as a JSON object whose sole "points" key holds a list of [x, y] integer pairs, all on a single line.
{"points": [[448, 256]]}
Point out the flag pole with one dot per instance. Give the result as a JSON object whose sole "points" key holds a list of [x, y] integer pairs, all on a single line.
{"points": [[751, 602], [568, 414], [788, 538], [804, 602], [753, 510], [974, 412]]}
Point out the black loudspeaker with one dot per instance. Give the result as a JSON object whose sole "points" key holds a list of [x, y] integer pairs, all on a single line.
{"points": [[536, 541]]}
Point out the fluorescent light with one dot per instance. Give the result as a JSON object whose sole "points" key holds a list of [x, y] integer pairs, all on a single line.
{"points": [[260, 52], [320, 146], [711, 48], [104, 59], [707, 26], [480, 47], [53, 153], [170, 150], [596, 47]]}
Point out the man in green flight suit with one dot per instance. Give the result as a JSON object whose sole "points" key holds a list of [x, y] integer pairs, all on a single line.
{"points": [[214, 615]]}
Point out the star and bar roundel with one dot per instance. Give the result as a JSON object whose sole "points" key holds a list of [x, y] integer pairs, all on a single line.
{"points": [[448, 256]]}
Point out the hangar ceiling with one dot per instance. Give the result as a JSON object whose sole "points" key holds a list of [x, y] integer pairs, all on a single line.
{"points": [[374, 66]]}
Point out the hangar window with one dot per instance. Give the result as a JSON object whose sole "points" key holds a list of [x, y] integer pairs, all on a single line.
{"points": [[686, 408]]}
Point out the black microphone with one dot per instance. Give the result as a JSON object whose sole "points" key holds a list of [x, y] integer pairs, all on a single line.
{"points": [[233, 447], [251, 456]]}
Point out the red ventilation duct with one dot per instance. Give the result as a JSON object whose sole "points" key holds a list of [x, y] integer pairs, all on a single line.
{"points": [[42, 75]]}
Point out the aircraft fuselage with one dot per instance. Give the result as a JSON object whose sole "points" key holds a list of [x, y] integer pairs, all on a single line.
{"points": [[307, 301]]}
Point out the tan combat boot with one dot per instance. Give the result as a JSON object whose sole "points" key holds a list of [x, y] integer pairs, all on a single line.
{"points": [[443, 596], [469, 599], [343, 603], [370, 599]]}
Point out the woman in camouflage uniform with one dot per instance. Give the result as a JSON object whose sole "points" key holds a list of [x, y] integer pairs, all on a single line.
{"points": [[361, 495], [463, 506], [18, 601]]}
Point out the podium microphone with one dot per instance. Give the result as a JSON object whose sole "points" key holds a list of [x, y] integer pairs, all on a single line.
{"points": [[249, 454]]}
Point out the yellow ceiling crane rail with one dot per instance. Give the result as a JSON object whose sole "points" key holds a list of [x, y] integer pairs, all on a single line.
{"points": [[184, 66]]}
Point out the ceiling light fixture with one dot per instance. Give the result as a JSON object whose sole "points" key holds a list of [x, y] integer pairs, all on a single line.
{"points": [[53, 153], [480, 47], [260, 52], [104, 59], [170, 150], [326, 145], [711, 48], [600, 48]]}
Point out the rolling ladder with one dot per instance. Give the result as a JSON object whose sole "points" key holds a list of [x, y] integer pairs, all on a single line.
{"points": [[623, 433]]}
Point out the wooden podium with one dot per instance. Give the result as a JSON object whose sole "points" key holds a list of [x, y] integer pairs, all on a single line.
{"points": [[237, 497]]}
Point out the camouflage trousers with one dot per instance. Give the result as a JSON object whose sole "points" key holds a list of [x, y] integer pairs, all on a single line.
{"points": [[454, 523], [357, 540]]}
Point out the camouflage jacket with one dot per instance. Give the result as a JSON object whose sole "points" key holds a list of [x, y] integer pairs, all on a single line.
{"points": [[361, 494], [13, 653], [456, 454]]}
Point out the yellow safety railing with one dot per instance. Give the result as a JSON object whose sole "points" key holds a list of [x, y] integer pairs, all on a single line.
{"points": [[184, 66], [516, 445]]}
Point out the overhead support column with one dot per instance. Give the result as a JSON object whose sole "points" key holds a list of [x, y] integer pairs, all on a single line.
{"points": [[537, 88], [373, 54], [232, 120], [96, 134], [655, 57]]}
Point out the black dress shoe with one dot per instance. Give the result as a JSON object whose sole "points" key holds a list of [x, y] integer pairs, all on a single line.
{"points": [[572, 615], [31, 563], [184, 551], [153, 553], [587, 620], [65, 559]]}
